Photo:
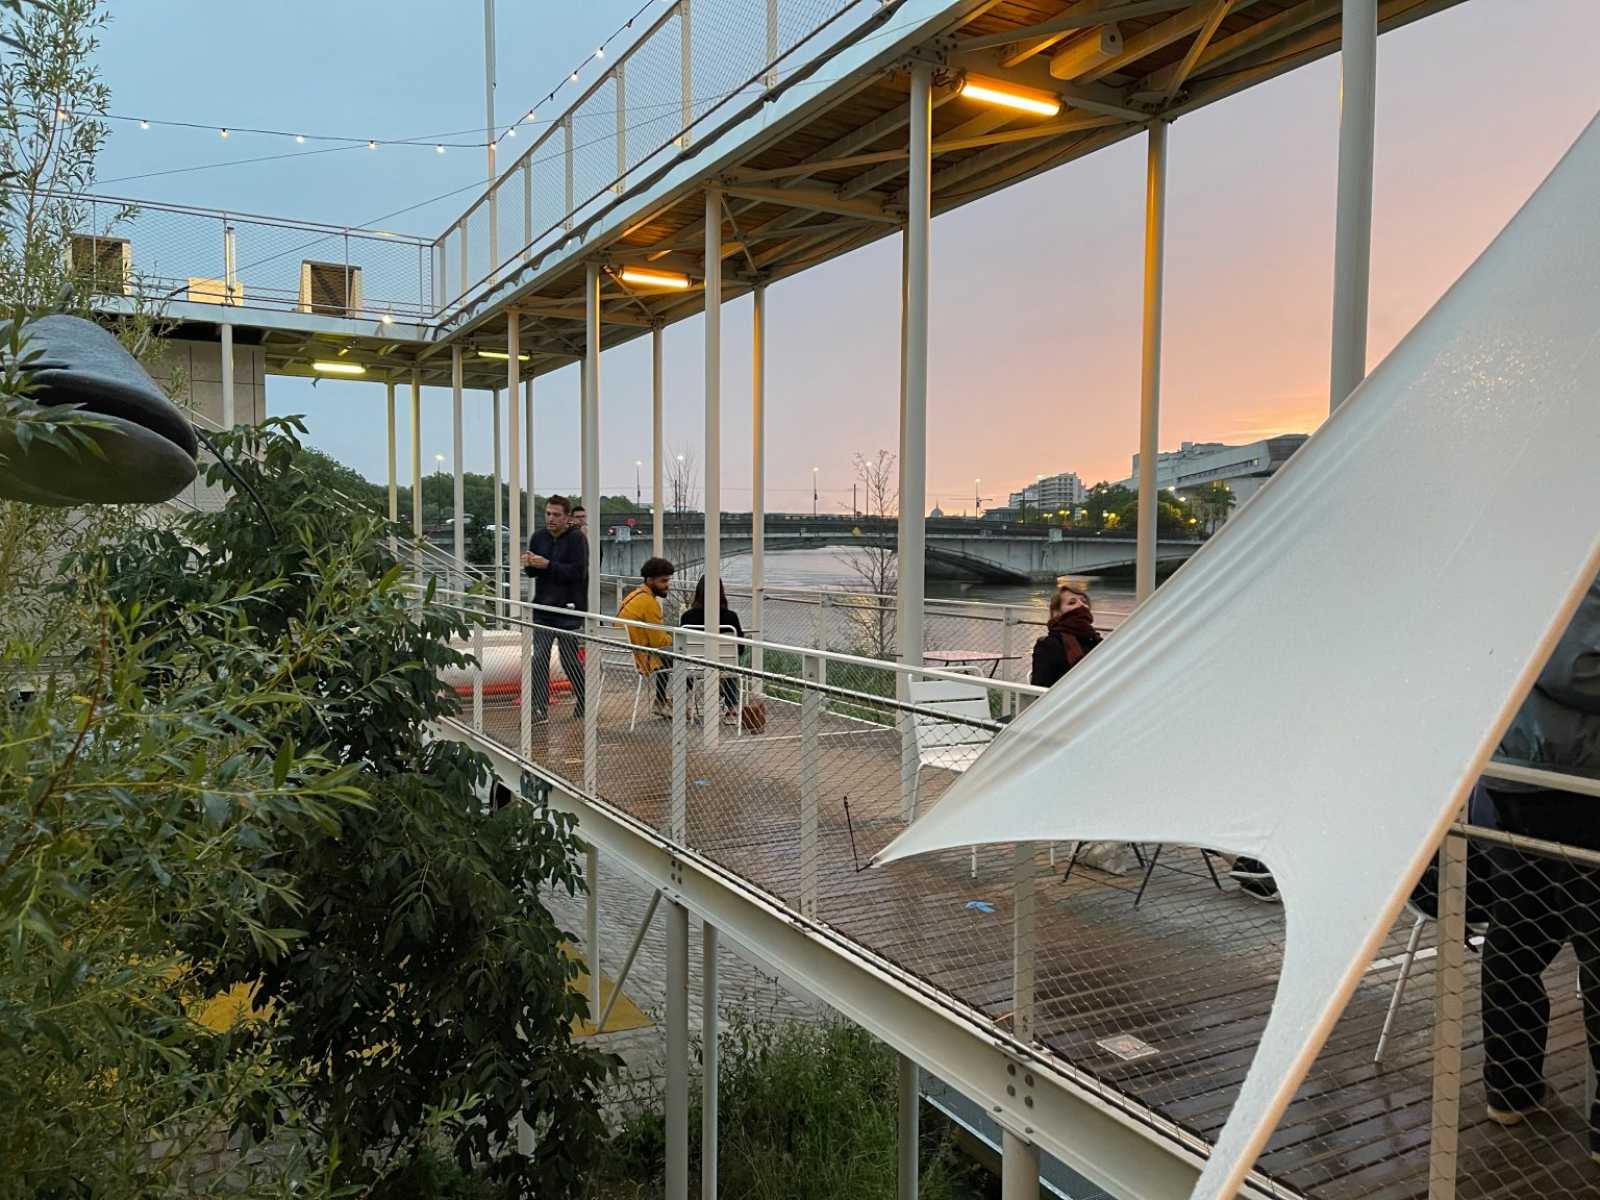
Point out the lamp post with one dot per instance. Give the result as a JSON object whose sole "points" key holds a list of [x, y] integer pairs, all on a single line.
{"points": [[638, 488], [813, 491]]}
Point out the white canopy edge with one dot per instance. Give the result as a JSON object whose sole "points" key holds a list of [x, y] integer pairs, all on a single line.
{"points": [[1374, 616]]}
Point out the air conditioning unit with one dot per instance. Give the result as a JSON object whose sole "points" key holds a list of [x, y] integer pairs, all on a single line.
{"points": [[214, 291], [104, 263], [333, 289]]}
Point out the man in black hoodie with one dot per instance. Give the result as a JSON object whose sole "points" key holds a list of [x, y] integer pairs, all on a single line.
{"points": [[1541, 903], [558, 561]]}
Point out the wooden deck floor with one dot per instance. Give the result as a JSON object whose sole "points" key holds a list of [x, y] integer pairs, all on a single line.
{"points": [[1191, 972]]}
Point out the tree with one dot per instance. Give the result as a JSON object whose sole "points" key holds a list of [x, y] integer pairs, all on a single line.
{"points": [[875, 564], [427, 982], [1213, 503]]}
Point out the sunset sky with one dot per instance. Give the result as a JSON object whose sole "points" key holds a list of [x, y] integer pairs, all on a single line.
{"points": [[1035, 297]]}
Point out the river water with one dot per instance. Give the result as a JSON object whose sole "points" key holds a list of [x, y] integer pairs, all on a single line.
{"points": [[829, 570]]}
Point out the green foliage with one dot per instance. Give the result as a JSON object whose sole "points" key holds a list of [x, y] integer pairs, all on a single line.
{"points": [[427, 987], [806, 1113]]}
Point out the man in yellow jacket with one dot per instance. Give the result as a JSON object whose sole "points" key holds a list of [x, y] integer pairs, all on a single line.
{"points": [[643, 605]]}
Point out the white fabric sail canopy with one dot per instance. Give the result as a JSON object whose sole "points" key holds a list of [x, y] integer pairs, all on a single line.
{"points": [[1374, 616]]}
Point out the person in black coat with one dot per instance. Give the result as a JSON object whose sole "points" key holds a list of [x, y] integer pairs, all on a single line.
{"points": [[558, 560], [1068, 637], [695, 614]]}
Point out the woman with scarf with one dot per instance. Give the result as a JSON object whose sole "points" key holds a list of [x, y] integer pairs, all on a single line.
{"points": [[1069, 636]]}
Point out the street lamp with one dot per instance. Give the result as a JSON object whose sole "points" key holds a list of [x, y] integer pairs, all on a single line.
{"points": [[638, 489], [813, 491]]}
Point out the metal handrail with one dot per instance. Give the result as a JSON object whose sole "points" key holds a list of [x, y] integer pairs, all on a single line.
{"points": [[830, 656]]}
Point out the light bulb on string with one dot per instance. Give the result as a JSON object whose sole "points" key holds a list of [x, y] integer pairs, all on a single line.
{"points": [[573, 77], [223, 131], [300, 139], [599, 51], [438, 149], [371, 145], [144, 124]]}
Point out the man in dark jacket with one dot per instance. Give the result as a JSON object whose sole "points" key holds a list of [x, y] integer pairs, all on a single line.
{"points": [[558, 561], [1541, 903]]}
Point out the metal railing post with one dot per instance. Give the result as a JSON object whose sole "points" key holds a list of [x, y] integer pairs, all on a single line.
{"points": [[677, 1097], [619, 83], [1008, 621], [527, 208], [477, 678], [678, 820], [687, 71], [810, 725], [1022, 941], [566, 132], [591, 926], [772, 44], [466, 279], [1448, 1006], [709, 1056]]}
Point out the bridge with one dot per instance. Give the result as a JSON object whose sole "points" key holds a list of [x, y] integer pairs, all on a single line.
{"points": [[955, 549]]}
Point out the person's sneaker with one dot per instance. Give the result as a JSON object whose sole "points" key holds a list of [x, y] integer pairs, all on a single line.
{"points": [[1510, 1115], [1255, 880]]}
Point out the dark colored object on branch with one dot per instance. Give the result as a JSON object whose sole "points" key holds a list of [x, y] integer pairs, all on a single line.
{"points": [[146, 445]]}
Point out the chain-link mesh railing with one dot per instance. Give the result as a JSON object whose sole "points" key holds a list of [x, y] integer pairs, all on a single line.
{"points": [[1150, 969], [693, 63], [165, 252]]}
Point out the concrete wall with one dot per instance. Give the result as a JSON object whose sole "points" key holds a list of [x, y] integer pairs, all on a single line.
{"points": [[199, 366]]}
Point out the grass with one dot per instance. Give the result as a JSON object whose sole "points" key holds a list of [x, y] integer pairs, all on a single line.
{"points": [[807, 1113]]}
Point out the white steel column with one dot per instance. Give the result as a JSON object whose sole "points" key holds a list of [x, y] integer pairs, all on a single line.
{"points": [[906, 1139], [458, 466], [709, 1061], [1352, 246], [416, 475], [658, 451], [533, 514], [591, 429], [914, 413], [591, 923], [489, 136], [499, 518], [229, 411], [758, 477], [1448, 1009], [1019, 1168], [514, 449], [1155, 223], [394, 481], [677, 1097], [591, 501], [710, 704]]}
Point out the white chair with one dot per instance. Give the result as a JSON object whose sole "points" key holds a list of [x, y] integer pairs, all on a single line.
{"points": [[615, 660], [952, 744], [1476, 931], [696, 645]]}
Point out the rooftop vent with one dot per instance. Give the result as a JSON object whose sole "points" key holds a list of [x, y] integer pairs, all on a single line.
{"points": [[105, 264], [333, 289]]}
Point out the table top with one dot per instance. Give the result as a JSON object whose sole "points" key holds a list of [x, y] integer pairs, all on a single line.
{"points": [[967, 656]]}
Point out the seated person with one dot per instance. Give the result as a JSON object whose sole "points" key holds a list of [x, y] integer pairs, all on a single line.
{"points": [[643, 604], [695, 615]]}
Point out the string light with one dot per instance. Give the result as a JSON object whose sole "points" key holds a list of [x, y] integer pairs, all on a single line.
{"points": [[439, 149], [224, 131], [300, 139], [371, 145], [144, 124]]}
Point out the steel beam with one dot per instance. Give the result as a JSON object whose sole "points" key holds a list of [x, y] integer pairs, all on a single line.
{"points": [[817, 200]]}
